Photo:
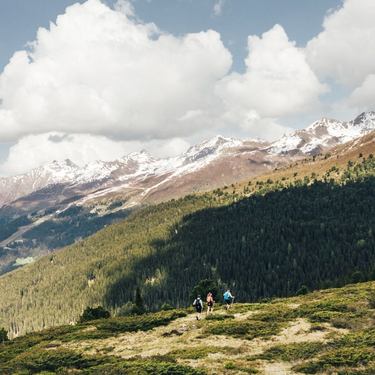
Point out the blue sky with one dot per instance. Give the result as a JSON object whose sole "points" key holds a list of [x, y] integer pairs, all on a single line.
{"points": [[113, 77], [301, 19]]}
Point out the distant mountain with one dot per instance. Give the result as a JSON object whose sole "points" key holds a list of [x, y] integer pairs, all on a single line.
{"points": [[12, 188], [140, 178], [60, 203], [323, 135]]}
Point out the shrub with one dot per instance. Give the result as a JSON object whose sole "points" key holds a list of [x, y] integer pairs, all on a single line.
{"points": [[3, 335], [202, 289], [246, 329], [302, 291], [291, 352], [138, 307], [371, 300], [166, 307], [94, 313]]}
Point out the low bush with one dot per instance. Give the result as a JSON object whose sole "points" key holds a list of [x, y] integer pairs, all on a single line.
{"points": [[94, 313], [197, 352], [343, 357], [246, 329], [291, 352]]}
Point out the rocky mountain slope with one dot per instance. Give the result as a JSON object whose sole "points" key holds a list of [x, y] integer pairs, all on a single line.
{"points": [[139, 178], [71, 203]]}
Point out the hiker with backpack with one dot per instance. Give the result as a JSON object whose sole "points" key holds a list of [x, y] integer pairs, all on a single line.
{"points": [[198, 306], [210, 303], [228, 299]]}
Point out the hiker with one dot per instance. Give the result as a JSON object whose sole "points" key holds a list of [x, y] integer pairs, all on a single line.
{"points": [[198, 306], [228, 299], [210, 303]]}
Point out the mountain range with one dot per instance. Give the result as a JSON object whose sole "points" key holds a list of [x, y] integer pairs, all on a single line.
{"points": [[60, 203], [307, 223], [139, 178]]}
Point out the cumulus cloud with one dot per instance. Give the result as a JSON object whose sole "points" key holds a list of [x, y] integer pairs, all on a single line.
{"points": [[278, 82], [100, 71], [363, 97], [34, 150], [345, 49], [100, 83]]}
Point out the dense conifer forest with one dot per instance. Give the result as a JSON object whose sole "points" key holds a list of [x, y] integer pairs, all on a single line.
{"points": [[263, 246]]}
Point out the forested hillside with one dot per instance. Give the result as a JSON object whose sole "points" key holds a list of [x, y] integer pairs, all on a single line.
{"points": [[59, 231], [311, 233]]}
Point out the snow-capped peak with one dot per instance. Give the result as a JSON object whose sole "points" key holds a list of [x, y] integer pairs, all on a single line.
{"points": [[366, 121], [324, 134], [210, 147], [59, 171]]}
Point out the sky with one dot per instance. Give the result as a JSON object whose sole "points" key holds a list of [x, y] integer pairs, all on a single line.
{"points": [[97, 80]]}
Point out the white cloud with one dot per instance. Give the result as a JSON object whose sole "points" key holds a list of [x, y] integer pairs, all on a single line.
{"points": [[34, 150], [218, 7], [345, 50], [125, 7], [363, 97], [173, 147], [100, 74], [97, 71], [278, 82]]}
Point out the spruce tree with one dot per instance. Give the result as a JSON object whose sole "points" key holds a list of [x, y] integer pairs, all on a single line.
{"points": [[3, 335], [139, 307]]}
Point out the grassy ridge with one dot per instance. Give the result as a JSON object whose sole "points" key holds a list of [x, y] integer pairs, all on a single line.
{"points": [[283, 335]]}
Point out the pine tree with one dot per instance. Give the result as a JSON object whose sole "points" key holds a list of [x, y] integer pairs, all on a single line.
{"points": [[138, 307], [3, 335]]}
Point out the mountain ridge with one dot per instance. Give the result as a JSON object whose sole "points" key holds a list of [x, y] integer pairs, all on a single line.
{"points": [[141, 176], [203, 232]]}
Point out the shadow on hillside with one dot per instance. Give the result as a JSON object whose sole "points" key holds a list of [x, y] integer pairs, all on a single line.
{"points": [[261, 246]]}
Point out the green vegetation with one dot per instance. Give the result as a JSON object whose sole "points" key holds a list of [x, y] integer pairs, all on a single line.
{"points": [[315, 235], [8, 229], [291, 352], [202, 289], [93, 313], [3, 335], [138, 307], [198, 352], [44, 351], [223, 343], [62, 230]]}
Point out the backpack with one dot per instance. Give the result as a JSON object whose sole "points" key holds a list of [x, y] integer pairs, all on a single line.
{"points": [[226, 295], [196, 302]]}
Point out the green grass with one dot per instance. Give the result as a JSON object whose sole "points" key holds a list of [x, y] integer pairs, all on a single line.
{"points": [[197, 352], [245, 329], [291, 352], [342, 316]]}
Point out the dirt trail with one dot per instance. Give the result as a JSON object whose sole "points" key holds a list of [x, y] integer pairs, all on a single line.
{"points": [[186, 333]]}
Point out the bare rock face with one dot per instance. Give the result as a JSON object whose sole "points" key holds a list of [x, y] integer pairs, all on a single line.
{"points": [[139, 178]]}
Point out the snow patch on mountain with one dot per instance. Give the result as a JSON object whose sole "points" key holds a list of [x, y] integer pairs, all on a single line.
{"points": [[323, 134], [138, 169]]}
